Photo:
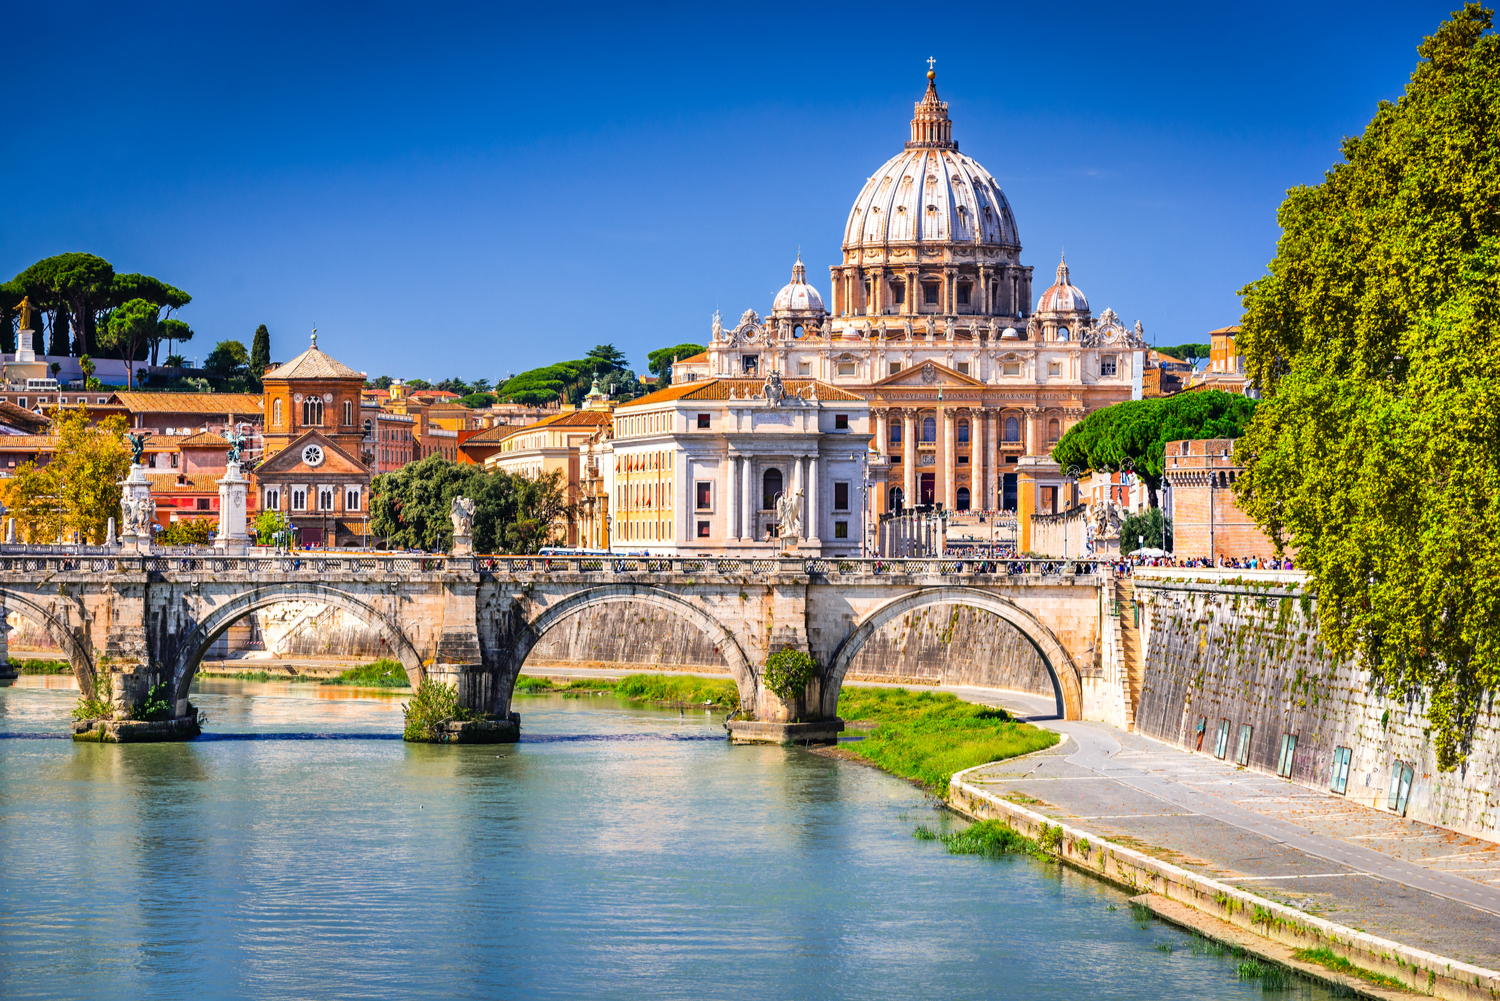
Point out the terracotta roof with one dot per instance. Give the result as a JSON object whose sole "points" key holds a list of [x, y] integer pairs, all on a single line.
{"points": [[197, 482], [718, 389], [1234, 329], [572, 418], [191, 403], [1163, 356], [21, 417], [700, 356], [28, 442], [313, 364], [203, 439]]}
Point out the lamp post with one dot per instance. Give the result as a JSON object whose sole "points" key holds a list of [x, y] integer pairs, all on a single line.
{"points": [[1070, 474], [864, 499]]}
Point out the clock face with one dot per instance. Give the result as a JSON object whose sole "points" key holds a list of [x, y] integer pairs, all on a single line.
{"points": [[312, 455]]}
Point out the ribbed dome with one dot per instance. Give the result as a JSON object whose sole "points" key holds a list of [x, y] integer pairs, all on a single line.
{"points": [[930, 192], [798, 297], [1062, 296]]}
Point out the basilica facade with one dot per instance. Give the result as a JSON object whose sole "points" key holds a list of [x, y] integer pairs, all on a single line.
{"points": [[931, 323]]}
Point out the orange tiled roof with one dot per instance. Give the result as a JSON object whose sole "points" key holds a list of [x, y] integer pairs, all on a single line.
{"points": [[718, 389], [196, 482], [27, 442], [245, 404], [1233, 329], [700, 356], [203, 439], [571, 418]]}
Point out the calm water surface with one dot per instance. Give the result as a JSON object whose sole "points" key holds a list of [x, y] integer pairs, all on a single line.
{"points": [[615, 852]]}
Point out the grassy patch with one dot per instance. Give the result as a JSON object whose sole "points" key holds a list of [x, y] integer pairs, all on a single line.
{"points": [[250, 675], [927, 736], [380, 674], [990, 838], [432, 705], [1271, 977], [1325, 956], [669, 689], [41, 667]]}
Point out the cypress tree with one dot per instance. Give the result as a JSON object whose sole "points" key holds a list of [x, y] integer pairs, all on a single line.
{"points": [[260, 351], [60, 324]]}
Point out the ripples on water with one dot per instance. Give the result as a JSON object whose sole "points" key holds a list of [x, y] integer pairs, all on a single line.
{"points": [[303, 851]]}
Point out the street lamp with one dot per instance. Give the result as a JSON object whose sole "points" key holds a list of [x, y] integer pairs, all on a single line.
{"points": [[862, 458], [1071, 473]]}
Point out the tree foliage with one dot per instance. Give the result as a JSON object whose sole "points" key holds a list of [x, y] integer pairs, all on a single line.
{"points": [[1376, 339], [260, 352], [81, 284], [515, 514], [1151, 525], [79, 490], [131, 327], [659, 362], [1190, 353], [188, 532], [1138, 431]]}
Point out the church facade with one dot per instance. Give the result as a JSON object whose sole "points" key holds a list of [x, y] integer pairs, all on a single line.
{"points": [[930, 321]]}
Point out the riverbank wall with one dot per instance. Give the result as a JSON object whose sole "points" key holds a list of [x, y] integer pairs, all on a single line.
{"points": [[1240, 654], [1424, 972]]}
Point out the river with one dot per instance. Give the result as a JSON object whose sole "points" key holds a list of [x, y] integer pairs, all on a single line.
{"points": [[298, 850]]}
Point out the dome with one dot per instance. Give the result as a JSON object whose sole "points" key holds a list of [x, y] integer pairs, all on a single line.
{"points": [[930, 192], [1010, 334], [798, 297], [1062, 297]]}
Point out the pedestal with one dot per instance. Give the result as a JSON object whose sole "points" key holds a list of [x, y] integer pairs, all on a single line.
{"points": [[232, 539], [463, 545], [134, 488], [752, 731]]}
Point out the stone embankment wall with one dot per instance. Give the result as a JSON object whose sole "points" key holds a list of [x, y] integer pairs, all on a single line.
{"points": [[951, 645], [627, 636], [1249, 652]]}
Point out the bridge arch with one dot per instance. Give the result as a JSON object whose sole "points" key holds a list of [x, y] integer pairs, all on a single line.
{"points": [[1067, 686], [740, 667], [77, 652], [192, 647]]}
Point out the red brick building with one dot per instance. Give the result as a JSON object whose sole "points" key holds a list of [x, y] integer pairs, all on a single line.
{"points": [[1206, 518]]}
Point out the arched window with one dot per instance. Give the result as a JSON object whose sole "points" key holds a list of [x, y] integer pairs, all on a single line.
{"points": [[797, 331], [1054, 431], [963, 432], [895, 431], [897, 500], [369, 426], [963, 498], [276, 412], [1012, 429], [770, 488], [929, 429], [312, 411], [348, 412], [1062, 333]]}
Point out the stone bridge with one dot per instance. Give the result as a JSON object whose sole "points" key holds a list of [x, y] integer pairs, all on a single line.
{"points": [[127, 623]]}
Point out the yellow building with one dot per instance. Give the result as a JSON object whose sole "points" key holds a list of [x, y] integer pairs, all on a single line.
{"points": [[553, 444]]}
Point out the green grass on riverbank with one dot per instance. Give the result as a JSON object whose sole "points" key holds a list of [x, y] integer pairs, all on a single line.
{"points": [[41, 667], [990, 838], [927, 736], [670, 689], [380, 674], [1326, 957]]}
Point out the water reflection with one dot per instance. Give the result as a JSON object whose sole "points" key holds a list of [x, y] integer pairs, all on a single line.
{"points": [[616, 853]]}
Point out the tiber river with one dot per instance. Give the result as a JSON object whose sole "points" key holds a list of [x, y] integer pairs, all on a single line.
{"points": [[299, 851]]}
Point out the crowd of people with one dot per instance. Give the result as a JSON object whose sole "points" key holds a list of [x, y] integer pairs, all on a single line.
{"points": [[1127, 565]]}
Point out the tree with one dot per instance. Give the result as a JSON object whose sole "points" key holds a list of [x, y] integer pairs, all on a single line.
{"points": [[1151, 525], [79, 490], [1374, 337], [659, 362], [410, 507], [228, 360], [174, 332], [383, 382], [260, 352], [477, 401], [418, 384], [130, 329], [188, 532], [1137, 431], [86, 366], [83, 283], [58, 347], [605, 358], [1190, 353], [155, 291]]}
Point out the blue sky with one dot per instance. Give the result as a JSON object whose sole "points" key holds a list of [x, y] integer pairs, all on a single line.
{"points": [[471, 190]]}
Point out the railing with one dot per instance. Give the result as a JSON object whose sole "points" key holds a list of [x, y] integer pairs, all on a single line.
{"points": [[320, 564]]}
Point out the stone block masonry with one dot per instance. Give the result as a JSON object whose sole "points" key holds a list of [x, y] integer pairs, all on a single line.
{"points": [[1245, 657]]}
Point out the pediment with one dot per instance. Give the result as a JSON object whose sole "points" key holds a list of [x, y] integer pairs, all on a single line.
{"points": [[928, 375], [289, 462]]}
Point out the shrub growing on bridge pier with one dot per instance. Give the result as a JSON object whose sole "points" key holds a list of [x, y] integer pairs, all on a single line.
{"points": [[788, 671]]}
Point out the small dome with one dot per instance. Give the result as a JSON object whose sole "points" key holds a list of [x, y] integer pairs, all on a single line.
{"points": [[1063, 297], [798, 297], [1010, 334]]}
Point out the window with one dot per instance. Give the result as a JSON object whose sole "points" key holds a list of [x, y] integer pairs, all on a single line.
{"points": [[1054, 431], [846, 368], [348, 412], [961, 499], [841, 530], [325, 498], [1012, 429], [898, 292], [894, 433], [1062, 333], [797, 331], [1221, 741], [929, 429], [963, 432], [895, 498], [963, 368], [770, 488], [273, 499], [841, 422], [841, 496], [702, 529], [1339, 780], [1010, 368], [370, 426], [102, 399], [930, 293], [299, 498], [804, 368], [351, 498], [705, 495], [703, 422], [751, 364], [1242, 754], [1054, 368], [892, 367], [312, 411], [1401, 776], [1107, 365], [1288, 755], [174, 460], [963, 293], [203, 504]]}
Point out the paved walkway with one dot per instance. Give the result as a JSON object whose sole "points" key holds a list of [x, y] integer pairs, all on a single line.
{"points": [[1373, 871]]}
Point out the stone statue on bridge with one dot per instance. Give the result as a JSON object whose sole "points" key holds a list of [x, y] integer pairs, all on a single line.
{"points": [[789, 515], [138, 514], [137, 445], [462, 513]]}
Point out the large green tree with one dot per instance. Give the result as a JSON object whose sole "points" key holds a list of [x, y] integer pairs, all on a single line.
{"points": [[659, 362], [130, 329], [1375, 337], [164, 297], [517, 514], [83, 283], [260, 352], [1136, 432]]}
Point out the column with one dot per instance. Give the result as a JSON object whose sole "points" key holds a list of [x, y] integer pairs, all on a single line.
{"points": [[747, 508], [976, 460], [877, 293], [947, 461], [992, 451], [1029, 416], [684, 520], [732, 500], [880, 435], [813, 524], [909, 458]]}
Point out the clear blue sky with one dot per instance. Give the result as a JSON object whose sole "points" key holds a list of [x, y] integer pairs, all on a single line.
{"points": [[469, 189]]}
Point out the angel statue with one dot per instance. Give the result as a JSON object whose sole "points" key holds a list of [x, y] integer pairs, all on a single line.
{"points": [[462, 513], [137, 445], [789, 515], [237, 446]]}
